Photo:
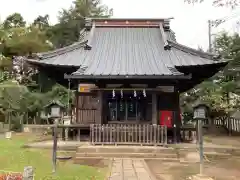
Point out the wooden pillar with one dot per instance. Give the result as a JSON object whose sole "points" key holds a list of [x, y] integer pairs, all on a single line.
{"points": [[77, 106], [176, 119], [154, 108], [100, 107]]}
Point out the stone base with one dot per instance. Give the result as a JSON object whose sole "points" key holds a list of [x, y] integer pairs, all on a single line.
{"points": [[200, 177]]}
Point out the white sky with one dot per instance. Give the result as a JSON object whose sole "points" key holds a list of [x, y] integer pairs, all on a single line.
{"points": [[189, 24]]}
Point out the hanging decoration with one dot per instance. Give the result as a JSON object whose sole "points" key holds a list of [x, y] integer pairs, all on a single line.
{"points": [[113, 93], [135, 93], [144, 93], [121, 93]]}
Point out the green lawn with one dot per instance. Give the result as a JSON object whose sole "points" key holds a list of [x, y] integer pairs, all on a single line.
{"points": [[14, 158]]}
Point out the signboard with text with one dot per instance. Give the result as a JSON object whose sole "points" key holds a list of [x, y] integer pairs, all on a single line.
{"points": [[85, 88]]}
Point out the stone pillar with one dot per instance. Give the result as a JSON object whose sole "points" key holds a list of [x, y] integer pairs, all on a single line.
{"points": [[154, 108]]}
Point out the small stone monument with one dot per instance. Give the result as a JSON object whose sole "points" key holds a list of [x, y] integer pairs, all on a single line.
{"points": [[28, 173], [8, 135]]}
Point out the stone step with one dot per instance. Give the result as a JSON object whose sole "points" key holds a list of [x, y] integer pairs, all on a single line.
{"points": [[122, 149], [100, 160], [126, 155]]}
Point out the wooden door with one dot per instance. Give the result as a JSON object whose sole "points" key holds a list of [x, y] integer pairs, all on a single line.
{"points": [[87, 111]]}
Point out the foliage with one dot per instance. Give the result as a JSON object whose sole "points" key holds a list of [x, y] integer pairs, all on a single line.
{"points": [[71, 21], [221, 92], [14, 20], [24, 41], [24, 90], [41, 22]]}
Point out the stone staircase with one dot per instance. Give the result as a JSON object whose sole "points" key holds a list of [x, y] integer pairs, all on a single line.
{"points": [[124, 152]]}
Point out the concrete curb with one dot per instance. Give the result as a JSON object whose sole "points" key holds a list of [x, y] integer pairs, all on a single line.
{"points": [[108, 174]]}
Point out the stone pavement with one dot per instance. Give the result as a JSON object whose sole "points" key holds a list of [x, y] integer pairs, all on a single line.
{"points": [[129, 169]]}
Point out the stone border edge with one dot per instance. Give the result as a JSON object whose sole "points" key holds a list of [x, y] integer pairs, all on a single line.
{"points": [[152, 176]]}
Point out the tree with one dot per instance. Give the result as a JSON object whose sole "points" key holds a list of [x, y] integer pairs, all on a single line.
{"points": [[25, 41], [216, 91], [12, 102], [42, 22], [13, 21], [71, 21], [16, 45]]}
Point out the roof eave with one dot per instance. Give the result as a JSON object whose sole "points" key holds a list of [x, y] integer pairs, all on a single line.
{"points": [[40, 63], [214, 63], [187, 49], [80, 76]]}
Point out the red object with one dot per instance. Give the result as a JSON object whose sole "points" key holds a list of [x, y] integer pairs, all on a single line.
{"points": [[11, 176], [166, 118]]}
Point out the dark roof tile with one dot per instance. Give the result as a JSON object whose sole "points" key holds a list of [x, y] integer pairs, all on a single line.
{"points": [[122, 51]]}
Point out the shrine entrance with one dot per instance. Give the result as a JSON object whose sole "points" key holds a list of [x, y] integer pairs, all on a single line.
{"points": [[128, 107]]}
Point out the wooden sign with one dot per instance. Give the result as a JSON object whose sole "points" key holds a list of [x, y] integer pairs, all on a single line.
{"points": [[166, 88], [85, 88], [67, 122], [55, 111]]}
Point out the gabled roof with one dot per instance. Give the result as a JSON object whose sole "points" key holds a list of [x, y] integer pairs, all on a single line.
{"points": [[127, 48], [54, 102]]}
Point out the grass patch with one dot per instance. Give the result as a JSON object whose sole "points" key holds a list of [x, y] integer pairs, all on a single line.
{"points": [[14, 158]]}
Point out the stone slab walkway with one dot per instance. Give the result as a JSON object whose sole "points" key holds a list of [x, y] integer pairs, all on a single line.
{"points": [[129, 169]]}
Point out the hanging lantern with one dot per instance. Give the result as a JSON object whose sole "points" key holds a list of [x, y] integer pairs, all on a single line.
{"points": [[113, 93], [135, 93], [121, 93]]}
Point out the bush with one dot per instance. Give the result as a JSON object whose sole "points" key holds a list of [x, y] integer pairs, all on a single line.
{"points": [[11, 176], [16, 126]]}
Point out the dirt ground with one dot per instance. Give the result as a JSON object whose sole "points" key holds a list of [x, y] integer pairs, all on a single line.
{"points": [[224, 140], [218, 166]]}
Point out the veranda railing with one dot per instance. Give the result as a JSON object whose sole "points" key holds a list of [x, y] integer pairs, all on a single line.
{"points": [[128, 134]]}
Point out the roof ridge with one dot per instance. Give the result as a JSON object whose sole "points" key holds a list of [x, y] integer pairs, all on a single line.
{"points": [[130, 19], [65, 49], [167, 46], [88, 45], [193, 51]]}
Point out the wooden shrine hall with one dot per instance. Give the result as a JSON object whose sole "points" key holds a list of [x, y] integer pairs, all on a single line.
{"points": [[128, 74]]}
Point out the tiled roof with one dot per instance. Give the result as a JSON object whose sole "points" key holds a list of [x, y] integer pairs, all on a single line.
{"points": [[127, 51]]}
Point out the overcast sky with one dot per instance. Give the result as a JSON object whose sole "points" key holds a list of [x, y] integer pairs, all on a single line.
{"points": [[189, 24]]}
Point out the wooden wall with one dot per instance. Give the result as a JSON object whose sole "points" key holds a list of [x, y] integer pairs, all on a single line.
{"points": [[87, 108], [91, 107]]}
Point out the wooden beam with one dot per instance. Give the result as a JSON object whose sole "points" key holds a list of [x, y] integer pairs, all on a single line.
{"points": [[128, 89]]}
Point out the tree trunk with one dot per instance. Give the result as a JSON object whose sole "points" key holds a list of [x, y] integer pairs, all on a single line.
{"points": [[27, 118], [9, 121]]}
